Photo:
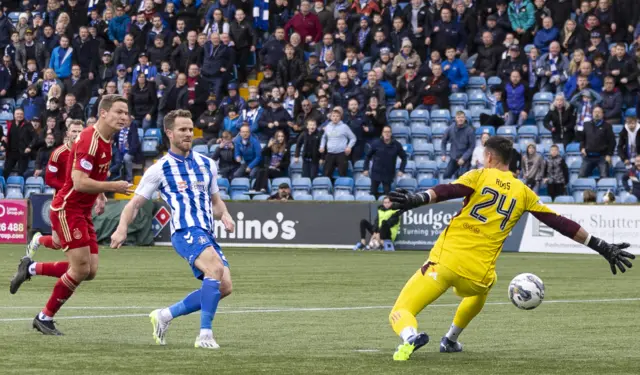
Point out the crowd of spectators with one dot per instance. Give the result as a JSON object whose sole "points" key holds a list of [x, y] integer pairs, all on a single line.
{"points": [[289, 81]]}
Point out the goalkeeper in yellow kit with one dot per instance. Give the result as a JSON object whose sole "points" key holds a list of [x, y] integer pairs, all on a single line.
{"points": [[464, 256]]}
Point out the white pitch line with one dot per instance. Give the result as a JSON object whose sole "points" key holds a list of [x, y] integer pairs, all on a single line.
{"points": [[323, 309]]}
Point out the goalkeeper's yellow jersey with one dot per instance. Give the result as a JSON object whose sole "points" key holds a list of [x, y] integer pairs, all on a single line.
{"points": [[472, 242]]}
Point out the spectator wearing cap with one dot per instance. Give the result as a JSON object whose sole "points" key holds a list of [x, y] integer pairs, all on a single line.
{"points": [[290, 69], [597, 144], [447, 33], [547, 34], [118, 25], [385, 64], [455, 70], [329, 44], [518, 99], [127, 150], [435, 90], [86, 53], [33, 105], [407, 89], [405, 56], [514, 61], [561, 120], [283, 194], [461, 135], [143, 102], [232, 120], [384, 153], [306, 24], [187, 53], [486, 63], [209, 122], [225, 156], [273, 119], [522, 18], [625, 72], [596, 45], [337, 141], [121, 78], [586, 28], [248, 153], [276, 157], [325, 16], [30, 50], [491, 26], [251, 115], [552, 69], [244, 39], [629, 141], [611, 101], [126, 54], [75, 84], [586, 70], [273, 50], [217, 64], [144, 68], [233, 98], [106, 70]]}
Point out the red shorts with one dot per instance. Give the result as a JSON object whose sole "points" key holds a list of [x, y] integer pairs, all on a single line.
{"points": [[74, 229]]}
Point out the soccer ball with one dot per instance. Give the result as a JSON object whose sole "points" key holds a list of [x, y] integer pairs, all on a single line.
{"points": [[526, 291], [374, 245]]}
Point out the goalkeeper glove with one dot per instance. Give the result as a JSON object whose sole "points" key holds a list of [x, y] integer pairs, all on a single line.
{"points": [[613, 253], [404, 200]]}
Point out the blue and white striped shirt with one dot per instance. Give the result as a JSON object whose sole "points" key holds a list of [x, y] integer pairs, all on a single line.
{"points": [[186, 184]]}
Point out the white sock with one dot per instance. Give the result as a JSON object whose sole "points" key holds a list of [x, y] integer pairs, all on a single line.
{"points": [[44, 317], [407, 333], [206, 333], [32, 268], [454, 332], [165, 315]]}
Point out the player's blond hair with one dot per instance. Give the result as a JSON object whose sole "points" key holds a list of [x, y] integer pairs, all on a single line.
{"points": [[107, 101], [170, 118]]}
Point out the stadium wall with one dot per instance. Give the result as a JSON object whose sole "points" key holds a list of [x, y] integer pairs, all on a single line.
{"points": [[335, 225]]}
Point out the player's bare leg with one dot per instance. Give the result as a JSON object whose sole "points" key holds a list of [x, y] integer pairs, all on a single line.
{"points": [[79, 269]]}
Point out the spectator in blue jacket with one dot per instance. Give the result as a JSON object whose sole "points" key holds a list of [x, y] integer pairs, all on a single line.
{"points": [[232, 121], [118, 25], [61, 58], [522, 15], [247, 153], [228, 10], [462, 137], [384, 152], [586, 70], [127, 149], [149, 71], [33, 105], [546, 35], [216, 65], [455, 70], [518, 99]]}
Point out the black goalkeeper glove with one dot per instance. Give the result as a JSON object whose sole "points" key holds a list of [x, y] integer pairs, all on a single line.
{"points": [[404, 200], [613, 253]]}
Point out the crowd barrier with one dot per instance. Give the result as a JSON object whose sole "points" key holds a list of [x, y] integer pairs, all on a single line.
{"points": [[336, 225]]}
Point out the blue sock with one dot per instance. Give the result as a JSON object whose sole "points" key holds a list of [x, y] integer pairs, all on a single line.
{"points": [[190, 303], [209, 301]]}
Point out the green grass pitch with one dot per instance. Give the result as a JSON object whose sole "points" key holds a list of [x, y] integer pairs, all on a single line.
{"points": [[319, 312]]}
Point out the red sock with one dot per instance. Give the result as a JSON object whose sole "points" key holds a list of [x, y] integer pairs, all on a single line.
{"points": [[47, 241], [62, 291], [55, 269]]}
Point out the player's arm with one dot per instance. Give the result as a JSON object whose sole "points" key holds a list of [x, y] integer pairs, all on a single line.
{"points": [[85, 184], [54, 174], [462, 187], [220, 212], [613, 253]]}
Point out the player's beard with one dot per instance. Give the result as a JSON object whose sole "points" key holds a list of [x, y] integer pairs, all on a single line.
{"points": [[184, 145]]}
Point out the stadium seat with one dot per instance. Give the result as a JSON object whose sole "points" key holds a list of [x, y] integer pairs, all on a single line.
{"points": [[398, 116], [582, 184], [239, 185], [301, 184], [426, 169], [362, 185], [408, 149], [13, 194], [427, 183], [323, 197], [630, 199], [261, 197], [507, 132], [617, 129], [423, 152], [458, 101], [202, 149], [409, 184], [476, 83], [440, 116], [321, 186], [240, 197], [345, 197], [401, 133], [420, 134], [475, 115], [544, 136], [222, 195], [343, 186], [494, 81], [48, 190], [295, 169], [14, 184], [280, 180], [540, 111], [303, 197], [564, 199], [223, 185], [607, 184], [151, 141], [545, 199], [543, 97], [477, 101], [528, 132], [419, 116], [485, 129], [33, 185], [365, 198], [358, 168]]}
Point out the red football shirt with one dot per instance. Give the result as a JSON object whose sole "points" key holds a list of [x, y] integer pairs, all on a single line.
{"points": [[56, 172], [91, 154]]}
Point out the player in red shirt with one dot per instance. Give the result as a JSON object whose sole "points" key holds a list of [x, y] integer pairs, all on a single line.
{"points": [[71, 208], [55, 175]]}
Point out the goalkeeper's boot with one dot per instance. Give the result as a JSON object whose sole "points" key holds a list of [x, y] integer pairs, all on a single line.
{"points": [[206, 342], [388, 245], [358, 246], [46, 327], [414, 343], [33, 246], [21, 276], [448, 346], [159, 327]]}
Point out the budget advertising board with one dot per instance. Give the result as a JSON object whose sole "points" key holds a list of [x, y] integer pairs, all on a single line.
{"points": [[612, 223], [13, 221]]}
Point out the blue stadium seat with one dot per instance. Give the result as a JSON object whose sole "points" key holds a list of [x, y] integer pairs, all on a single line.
{"points": [[476, 83], [345, 197], [485, 129], [617, 129], [409, 184], [419, 116], [365, 198], [33, 185], [423, 152], [545, 199], [280, 180], [564, 199], [223, 185], [426, 169], [607, 184], [582, 184], [239, 185], [401, 133], [528, 134], [507, 132], [261, 197], [13, 194], [573, 147], [398, 116], [301, 184], [630, 112], [48, 190], [408, 149], [475, 115], [15, 184], [323, 197], [544, 136], [477, 101], [540, 110], [458, 101], [420, 134], [427, 183], [409, 169], [543, 97], [151, 141], [440, 116], [363, 185], [212, 149], [240, 197], [303, 197], [343, 185], [14, 17], [630, 199], [494, 81], [321, 186], [295, 169], [202, 149], [358, 168]]}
